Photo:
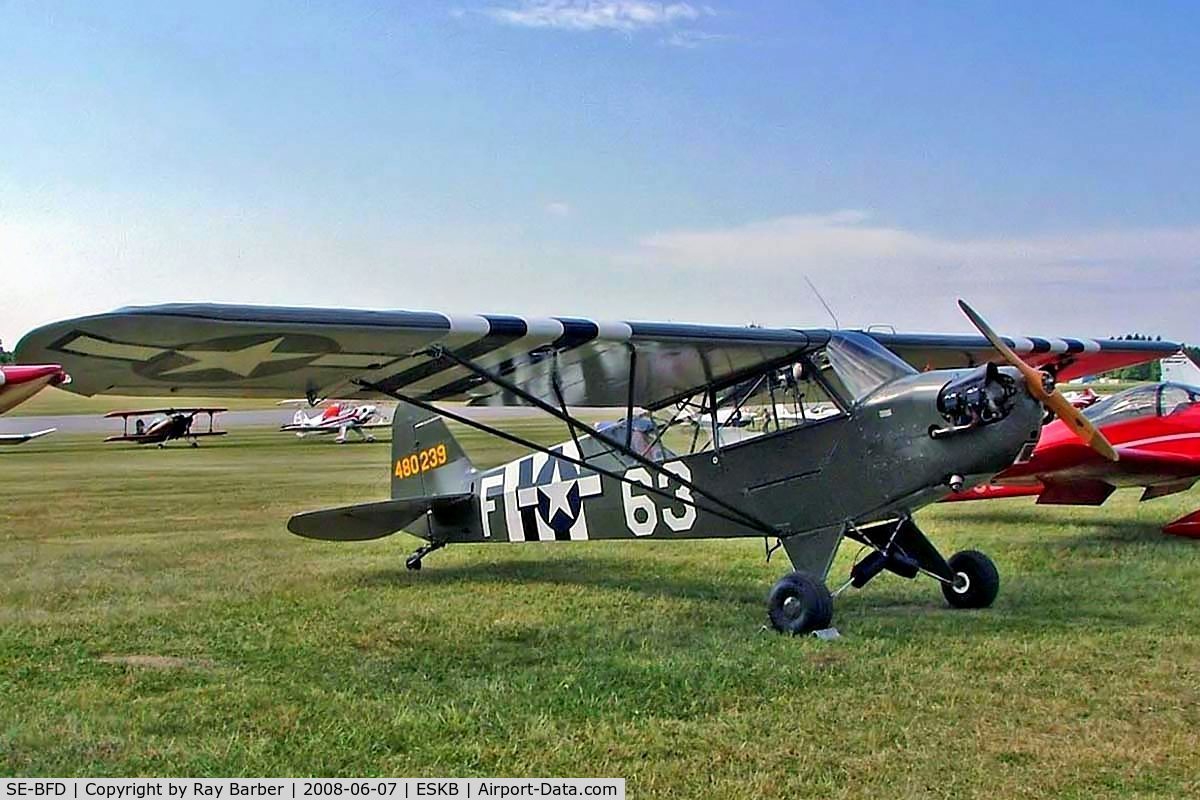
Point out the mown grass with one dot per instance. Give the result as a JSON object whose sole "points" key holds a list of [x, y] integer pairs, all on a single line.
{"points": [[156, 618], [59, 402]]}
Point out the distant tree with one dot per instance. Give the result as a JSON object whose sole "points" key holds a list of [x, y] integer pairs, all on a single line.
{"points": [[1150, 371], [5, 356]]}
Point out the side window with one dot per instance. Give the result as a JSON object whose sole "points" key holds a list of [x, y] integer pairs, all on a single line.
{"points": [[1174, 398]]}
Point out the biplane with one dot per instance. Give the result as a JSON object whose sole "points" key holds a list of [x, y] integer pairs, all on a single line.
{"points": [[18, 384], [338, 416], [899, 439], [165, 425]]}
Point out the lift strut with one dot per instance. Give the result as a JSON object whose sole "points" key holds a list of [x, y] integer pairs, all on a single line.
{"points": [[573, 423]]}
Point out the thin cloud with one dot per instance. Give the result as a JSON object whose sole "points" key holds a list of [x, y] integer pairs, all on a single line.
{"points": [[1103, 281], [558, 209], [690, 40], [624, 16]]}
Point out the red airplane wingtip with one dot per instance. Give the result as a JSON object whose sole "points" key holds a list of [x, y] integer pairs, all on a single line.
{"points": [[1188, 526]]}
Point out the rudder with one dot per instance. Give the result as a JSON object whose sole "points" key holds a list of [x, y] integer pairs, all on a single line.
{"points": [[426, 458]]}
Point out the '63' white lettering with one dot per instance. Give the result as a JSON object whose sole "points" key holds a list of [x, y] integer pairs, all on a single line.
{"points": [[641, 513]]}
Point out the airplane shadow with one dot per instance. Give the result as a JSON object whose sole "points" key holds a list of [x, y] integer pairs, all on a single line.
{"points": [[1100, 529], [886, 600], [604, 573]]}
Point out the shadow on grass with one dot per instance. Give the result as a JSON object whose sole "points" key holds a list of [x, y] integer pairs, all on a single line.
{"points": [[605, 573], [1101, 528], [1020, 609]]}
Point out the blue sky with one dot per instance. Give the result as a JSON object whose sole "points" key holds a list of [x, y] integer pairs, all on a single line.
{"points": [[614, 158]]}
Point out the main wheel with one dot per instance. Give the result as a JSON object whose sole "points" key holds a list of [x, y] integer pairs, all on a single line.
{"points": [[799, 603], [413, 563], [976, 581]]}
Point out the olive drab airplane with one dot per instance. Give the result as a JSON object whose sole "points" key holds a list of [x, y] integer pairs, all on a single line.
{"points": [[898, 439]]}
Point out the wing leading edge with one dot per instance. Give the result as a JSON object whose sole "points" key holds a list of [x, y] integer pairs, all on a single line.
{"points": [[220, 350]]}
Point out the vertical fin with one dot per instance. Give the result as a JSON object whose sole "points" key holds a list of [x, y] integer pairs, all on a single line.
{"points": [[426, 458]]}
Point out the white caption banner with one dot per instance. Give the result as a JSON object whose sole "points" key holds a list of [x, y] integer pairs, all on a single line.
{"points": [[306, 788]]}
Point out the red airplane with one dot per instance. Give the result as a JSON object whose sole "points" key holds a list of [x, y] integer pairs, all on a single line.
{"points": [[340, 417], [18, 384], [1155, 430]]}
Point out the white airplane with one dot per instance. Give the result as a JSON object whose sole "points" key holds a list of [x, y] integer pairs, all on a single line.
{"points": [[1180, 368], [340, 417], [18, 384]]}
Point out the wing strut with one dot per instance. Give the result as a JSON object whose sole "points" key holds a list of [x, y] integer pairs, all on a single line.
{"points": [[573, 423], [737, 516]]}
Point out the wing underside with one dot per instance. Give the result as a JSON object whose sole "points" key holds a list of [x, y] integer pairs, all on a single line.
{"points": [[216, 350]]}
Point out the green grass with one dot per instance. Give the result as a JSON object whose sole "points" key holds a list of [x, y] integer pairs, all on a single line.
{"points": [[58, 402], [156, 618]]}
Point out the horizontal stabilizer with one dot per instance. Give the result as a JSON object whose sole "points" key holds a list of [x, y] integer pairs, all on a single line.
{"points": [[367, 520]]}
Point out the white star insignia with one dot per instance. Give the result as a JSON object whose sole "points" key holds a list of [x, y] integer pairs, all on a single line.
{"points": [[556, 493]]}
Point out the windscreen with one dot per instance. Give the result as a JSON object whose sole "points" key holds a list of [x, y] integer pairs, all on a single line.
{"points": [[1177, 397], [1141, 401], [862, 364]]}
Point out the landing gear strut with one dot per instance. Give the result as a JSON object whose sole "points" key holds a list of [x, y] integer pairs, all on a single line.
{"points": [[413, 562], [969, 579]]}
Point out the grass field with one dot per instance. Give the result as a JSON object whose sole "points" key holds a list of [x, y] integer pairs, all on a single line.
{"points": [[56, 402], [156, 618]]}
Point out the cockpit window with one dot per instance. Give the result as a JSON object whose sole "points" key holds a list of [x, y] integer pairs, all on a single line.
{"points": [[862, 365], [644, 439], [1176, 397], [1140, 401]]}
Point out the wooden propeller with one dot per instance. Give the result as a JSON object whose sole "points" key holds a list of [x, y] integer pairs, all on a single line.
{"points": [[1061, 406]]}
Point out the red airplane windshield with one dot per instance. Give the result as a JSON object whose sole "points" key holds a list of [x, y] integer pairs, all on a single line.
{"points": [[1176, 397], [1159, 399]]}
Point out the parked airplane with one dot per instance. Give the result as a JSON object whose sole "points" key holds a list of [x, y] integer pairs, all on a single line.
{"points": [[1082, 399], [18, 384], [340, 417], [900, 439], [1179, 368], [166, 424]]}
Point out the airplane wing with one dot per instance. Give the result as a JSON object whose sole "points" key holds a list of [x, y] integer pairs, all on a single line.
{"points": [[146, 412], [22, 438], [221, 350], [1069, 358], [294, 428], [1091, 481]]}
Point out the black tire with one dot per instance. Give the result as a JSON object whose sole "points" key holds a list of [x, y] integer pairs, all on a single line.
{"points": [[977, 580], [799, 603], [413, 563]]}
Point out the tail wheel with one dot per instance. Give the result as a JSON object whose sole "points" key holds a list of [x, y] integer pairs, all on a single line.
{"points": [[799, 603], [976, 580]]}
